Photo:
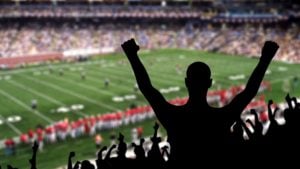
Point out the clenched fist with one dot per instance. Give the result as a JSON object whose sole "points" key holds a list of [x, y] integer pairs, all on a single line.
{"points": [[269, 50], [130, 47]]}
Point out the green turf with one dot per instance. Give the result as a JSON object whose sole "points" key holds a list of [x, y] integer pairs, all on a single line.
{"points": [[52, 91]]}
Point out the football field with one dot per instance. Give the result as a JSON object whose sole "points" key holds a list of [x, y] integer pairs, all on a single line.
{"points": [[55, 92]]}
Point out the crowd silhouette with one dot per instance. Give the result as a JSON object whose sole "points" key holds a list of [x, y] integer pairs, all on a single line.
{"points": [[205, 139]]}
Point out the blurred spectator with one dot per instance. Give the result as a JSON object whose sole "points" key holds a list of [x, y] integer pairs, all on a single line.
{"points": [[19, 39]]}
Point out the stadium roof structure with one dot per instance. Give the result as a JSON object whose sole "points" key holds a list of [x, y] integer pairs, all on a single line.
{"points": [[218, 11]]}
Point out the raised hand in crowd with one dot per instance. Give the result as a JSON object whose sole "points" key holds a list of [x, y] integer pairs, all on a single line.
{"points": [[77, 165], [130, 48], [154, 153], [122, 147], [100, 160], [10, 167], [85, 164], [291, 114], [274, 126], [139, 150], [107, 156], [268, 51], [165, 152], [296, 104], [32, 161], [71, 155], [257, 135]]}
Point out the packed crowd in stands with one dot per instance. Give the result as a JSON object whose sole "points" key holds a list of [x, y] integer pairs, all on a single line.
{"points": [[104, 12], [34, 38]]}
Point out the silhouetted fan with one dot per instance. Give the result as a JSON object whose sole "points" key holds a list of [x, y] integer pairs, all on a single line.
{"points": [[71, 155], [139, 150], [100, 161], [258, 128], [32, 161], [10, 167], [154, 153], [122, 147], [107, 157], [165, 151], [87, 165], [197, 116], [77, 165]]}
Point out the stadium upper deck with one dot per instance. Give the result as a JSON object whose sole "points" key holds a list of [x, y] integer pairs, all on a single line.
{"points": [[228, 26], [227, 10]]}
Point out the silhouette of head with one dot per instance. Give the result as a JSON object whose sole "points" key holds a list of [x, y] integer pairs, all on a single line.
{"points": [[122, 148], [198, 77], [87, 165]]}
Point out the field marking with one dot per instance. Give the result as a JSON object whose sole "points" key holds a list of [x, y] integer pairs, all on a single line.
{"points": [[36, 112], [90, 87], [97, 80], [37, 93], [30, 69], [124, 79], [94, 77], [279, 80], [84, 86], [51, 99], [130, 81], [217, 76], [13, 127], [117, 75], [113, 84], [220, 78], [100, 104], [154, 79]]}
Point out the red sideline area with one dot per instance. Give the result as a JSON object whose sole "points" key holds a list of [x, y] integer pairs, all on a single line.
{"points": [[13, 62], [89, 125]]}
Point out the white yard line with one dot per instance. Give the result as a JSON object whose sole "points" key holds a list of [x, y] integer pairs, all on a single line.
{"points": [[280, 80], [100, 104], [36, 93], [43, 96], [110, 83], [13, 127], [154, 78], [115, 85], [84, 86], [26, 106], [44, 68]]}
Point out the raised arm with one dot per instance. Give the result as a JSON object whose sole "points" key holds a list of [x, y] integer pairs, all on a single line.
{"points": [[71, 155], [153, 96], [242, 100], [32, 161]]}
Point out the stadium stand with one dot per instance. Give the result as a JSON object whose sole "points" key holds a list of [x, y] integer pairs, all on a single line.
{"points": [[35, 38], [34, 30]]}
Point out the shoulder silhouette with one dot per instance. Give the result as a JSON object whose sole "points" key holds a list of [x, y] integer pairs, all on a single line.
{"points": [[197, 117]]}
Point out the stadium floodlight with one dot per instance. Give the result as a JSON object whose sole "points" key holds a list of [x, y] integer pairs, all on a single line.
{"points": [[17, 2], [54, 1]]}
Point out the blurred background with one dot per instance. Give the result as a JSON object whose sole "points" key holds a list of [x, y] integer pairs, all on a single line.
{"points": [[65, 82]]}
